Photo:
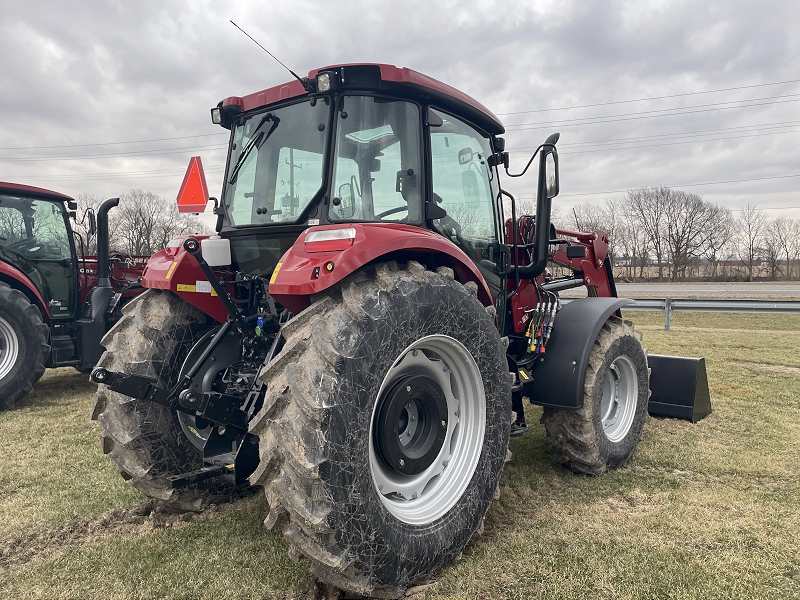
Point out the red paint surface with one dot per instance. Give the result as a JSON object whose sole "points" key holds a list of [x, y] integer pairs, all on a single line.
{"points": [[185, 272], [29, 190], [389, 73], [295, 282], [125, 271], [17, 275], [595, 245]]}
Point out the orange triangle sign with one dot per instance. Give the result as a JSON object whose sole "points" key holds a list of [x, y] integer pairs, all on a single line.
{"points": [[193, 196]]}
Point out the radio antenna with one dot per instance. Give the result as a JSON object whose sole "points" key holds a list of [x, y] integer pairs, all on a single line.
{"points": [[272, 55]]}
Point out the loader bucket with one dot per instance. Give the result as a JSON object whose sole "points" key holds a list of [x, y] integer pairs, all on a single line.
{"points": [[678, 387]]}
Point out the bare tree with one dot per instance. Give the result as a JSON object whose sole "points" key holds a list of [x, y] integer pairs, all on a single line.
{"points": [[720, 232], [689, 221], [772, 251], [751, 225], [142, 224], [647, 209], [787, 232]]}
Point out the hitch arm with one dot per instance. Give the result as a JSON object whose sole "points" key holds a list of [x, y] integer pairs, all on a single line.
{"points": [[213, 406], [192, 246]]}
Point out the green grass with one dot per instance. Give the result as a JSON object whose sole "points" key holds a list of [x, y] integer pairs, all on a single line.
{"points": [[706, 510]]}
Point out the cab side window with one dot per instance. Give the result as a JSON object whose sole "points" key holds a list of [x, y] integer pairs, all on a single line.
{"points": [[461, 183], [462, 186]]}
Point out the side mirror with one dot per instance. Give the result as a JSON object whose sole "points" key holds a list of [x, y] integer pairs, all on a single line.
{"points": [[551, 174], [92, 223], [348, 201]]}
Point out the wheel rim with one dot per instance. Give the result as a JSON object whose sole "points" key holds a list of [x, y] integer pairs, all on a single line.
{"points": [[437, 382], [620, 394], [9, 348]]}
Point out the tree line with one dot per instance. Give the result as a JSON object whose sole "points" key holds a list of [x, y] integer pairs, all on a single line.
{"points": [[655, 233], [142, 224], [670, 234]]}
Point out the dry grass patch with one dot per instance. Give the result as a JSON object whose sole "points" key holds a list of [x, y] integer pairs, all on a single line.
{"points": [[710, 510]]}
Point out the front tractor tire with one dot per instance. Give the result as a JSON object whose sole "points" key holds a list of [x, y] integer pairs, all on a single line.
{"points": [[604, 433], [148, 441], [23, 346], [385, 428]]}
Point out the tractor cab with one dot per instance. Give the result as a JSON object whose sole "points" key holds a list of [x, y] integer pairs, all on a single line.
{"points": [[366, 144], [35, 238]]}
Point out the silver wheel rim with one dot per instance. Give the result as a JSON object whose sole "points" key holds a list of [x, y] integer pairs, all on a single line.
{"points": [[9, 348], [620, 394], [424, 497]]}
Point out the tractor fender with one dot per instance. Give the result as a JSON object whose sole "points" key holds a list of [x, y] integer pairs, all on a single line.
{"points": [[19, 281], [176, 270], [301, 274], [559, 374]]}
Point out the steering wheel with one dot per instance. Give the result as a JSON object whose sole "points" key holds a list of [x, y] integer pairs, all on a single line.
{"points": [[391, 211], [30, 248]]}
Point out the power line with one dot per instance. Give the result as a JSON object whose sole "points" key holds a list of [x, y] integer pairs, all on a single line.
{"points": [[115, 174], [743, 87], [186, 137], [118, 155], [648, 114], [676, 135], [569, 151], [683, 185]]}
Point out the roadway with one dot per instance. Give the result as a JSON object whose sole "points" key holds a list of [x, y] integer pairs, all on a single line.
{"points": [[721, 291]]}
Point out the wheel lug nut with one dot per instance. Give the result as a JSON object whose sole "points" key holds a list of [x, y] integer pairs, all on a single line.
{"points": [[402, 463], [408, 388], [413, 418], [444, 423]]}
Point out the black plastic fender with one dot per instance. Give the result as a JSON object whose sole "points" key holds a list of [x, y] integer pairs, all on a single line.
{"points": [[559, 374]]}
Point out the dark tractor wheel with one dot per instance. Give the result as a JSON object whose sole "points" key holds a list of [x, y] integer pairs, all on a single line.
{"points": [[385, 428], [148, 441], [603, 435], [23, 346]]}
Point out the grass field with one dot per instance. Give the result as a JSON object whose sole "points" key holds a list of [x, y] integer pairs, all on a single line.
{"points": [[710, 510]]}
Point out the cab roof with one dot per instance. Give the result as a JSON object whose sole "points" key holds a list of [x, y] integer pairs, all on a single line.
{"points": [[390, 78], [19, 189]]}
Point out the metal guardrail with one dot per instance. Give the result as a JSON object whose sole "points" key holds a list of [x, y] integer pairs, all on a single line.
{"points": [[668, 305]]}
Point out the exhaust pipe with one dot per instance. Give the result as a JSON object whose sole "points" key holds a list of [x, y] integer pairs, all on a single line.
{"points": [[103, 267]]}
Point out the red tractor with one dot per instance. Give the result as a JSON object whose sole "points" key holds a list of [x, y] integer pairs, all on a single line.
{"points": [[54, 306], [355, 338]]}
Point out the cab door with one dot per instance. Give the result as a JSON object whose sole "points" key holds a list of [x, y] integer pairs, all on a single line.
{"points": [[466, 188]]}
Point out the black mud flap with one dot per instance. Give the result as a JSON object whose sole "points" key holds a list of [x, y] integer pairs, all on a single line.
{"points": [[678, 387]]}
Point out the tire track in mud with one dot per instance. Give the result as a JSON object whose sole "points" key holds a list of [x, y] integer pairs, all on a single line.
{"points": [[137, 521]]}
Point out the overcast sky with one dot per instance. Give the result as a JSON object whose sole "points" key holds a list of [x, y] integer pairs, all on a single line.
{"points": [[102, 97]]}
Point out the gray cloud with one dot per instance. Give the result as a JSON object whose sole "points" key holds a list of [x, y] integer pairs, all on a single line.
{"points": [[99, 72]]}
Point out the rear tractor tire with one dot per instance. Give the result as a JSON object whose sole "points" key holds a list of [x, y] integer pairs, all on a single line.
{"points": [[148, 441], [603, 435], [23, 346], [385, 428]]}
